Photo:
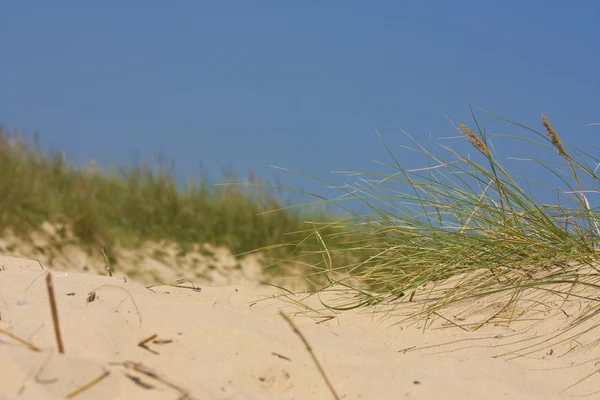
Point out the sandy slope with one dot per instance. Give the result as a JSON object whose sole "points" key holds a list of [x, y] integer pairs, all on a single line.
{"points": [[220, 343]]}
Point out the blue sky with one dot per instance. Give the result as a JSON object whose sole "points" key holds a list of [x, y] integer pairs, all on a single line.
{"points": [[293, 84]]}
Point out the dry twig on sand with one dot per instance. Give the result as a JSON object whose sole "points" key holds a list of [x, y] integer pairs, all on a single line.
{"points": [[312, 354], [88, 385], [140, 368], [50, 286], [20, 340], [144, 343]]}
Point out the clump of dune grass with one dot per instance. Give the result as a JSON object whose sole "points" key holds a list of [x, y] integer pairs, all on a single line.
{"points": [[467, 216], [100, 208], [469, 233]]}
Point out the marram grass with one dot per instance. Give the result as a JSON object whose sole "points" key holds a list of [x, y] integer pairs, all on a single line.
{"points": [[466, 216], [466, 230], [109, 208]]}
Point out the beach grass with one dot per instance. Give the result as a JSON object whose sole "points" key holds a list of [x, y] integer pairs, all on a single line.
{"points": [[471, 241], [465, 226], [460, 213], [101, 208], [470, 216]]}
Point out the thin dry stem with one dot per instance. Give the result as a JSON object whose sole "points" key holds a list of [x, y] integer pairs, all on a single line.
{"points": [[20, 340], [93, 295], [145, 341], [50, 286], [88, 385], [312, 354], [138, 367], [106, 262]]}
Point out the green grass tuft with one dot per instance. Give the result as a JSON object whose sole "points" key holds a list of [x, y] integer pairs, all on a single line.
{"points": [[101, 208], [464, 215]]}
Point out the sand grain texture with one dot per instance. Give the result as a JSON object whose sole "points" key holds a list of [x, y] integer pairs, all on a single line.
{"points": [[219, 343]]}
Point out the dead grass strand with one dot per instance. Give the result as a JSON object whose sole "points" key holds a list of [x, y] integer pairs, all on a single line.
{"points": [[312, 354], [54, 311], [20, 340], [88, 385]]}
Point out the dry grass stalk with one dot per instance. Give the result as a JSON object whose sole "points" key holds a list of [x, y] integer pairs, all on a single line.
{"points": [[20, 340], [179, 286], [145, 341], [52, 298], [88, 385], [474, 140], [106, 262], [323, 318], [312, 354], [138, 367], [281, 356]]}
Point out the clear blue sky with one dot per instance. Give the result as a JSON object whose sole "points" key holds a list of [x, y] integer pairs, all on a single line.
{"points": [[297, 84]]}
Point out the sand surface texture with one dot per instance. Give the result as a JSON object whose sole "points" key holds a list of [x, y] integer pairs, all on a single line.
{"points": [[230, 343]]}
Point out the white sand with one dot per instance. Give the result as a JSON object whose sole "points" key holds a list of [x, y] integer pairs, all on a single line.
{"points": [[224, 345]]}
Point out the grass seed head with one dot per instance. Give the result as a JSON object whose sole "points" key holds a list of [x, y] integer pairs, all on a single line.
{"points": [[554, 137], [474, 139]]}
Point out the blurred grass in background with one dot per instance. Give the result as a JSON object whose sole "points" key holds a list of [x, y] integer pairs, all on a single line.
{"points": [[104, 207]]}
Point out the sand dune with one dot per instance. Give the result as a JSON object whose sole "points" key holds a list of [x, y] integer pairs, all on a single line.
{"points": [[230, 343]]}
